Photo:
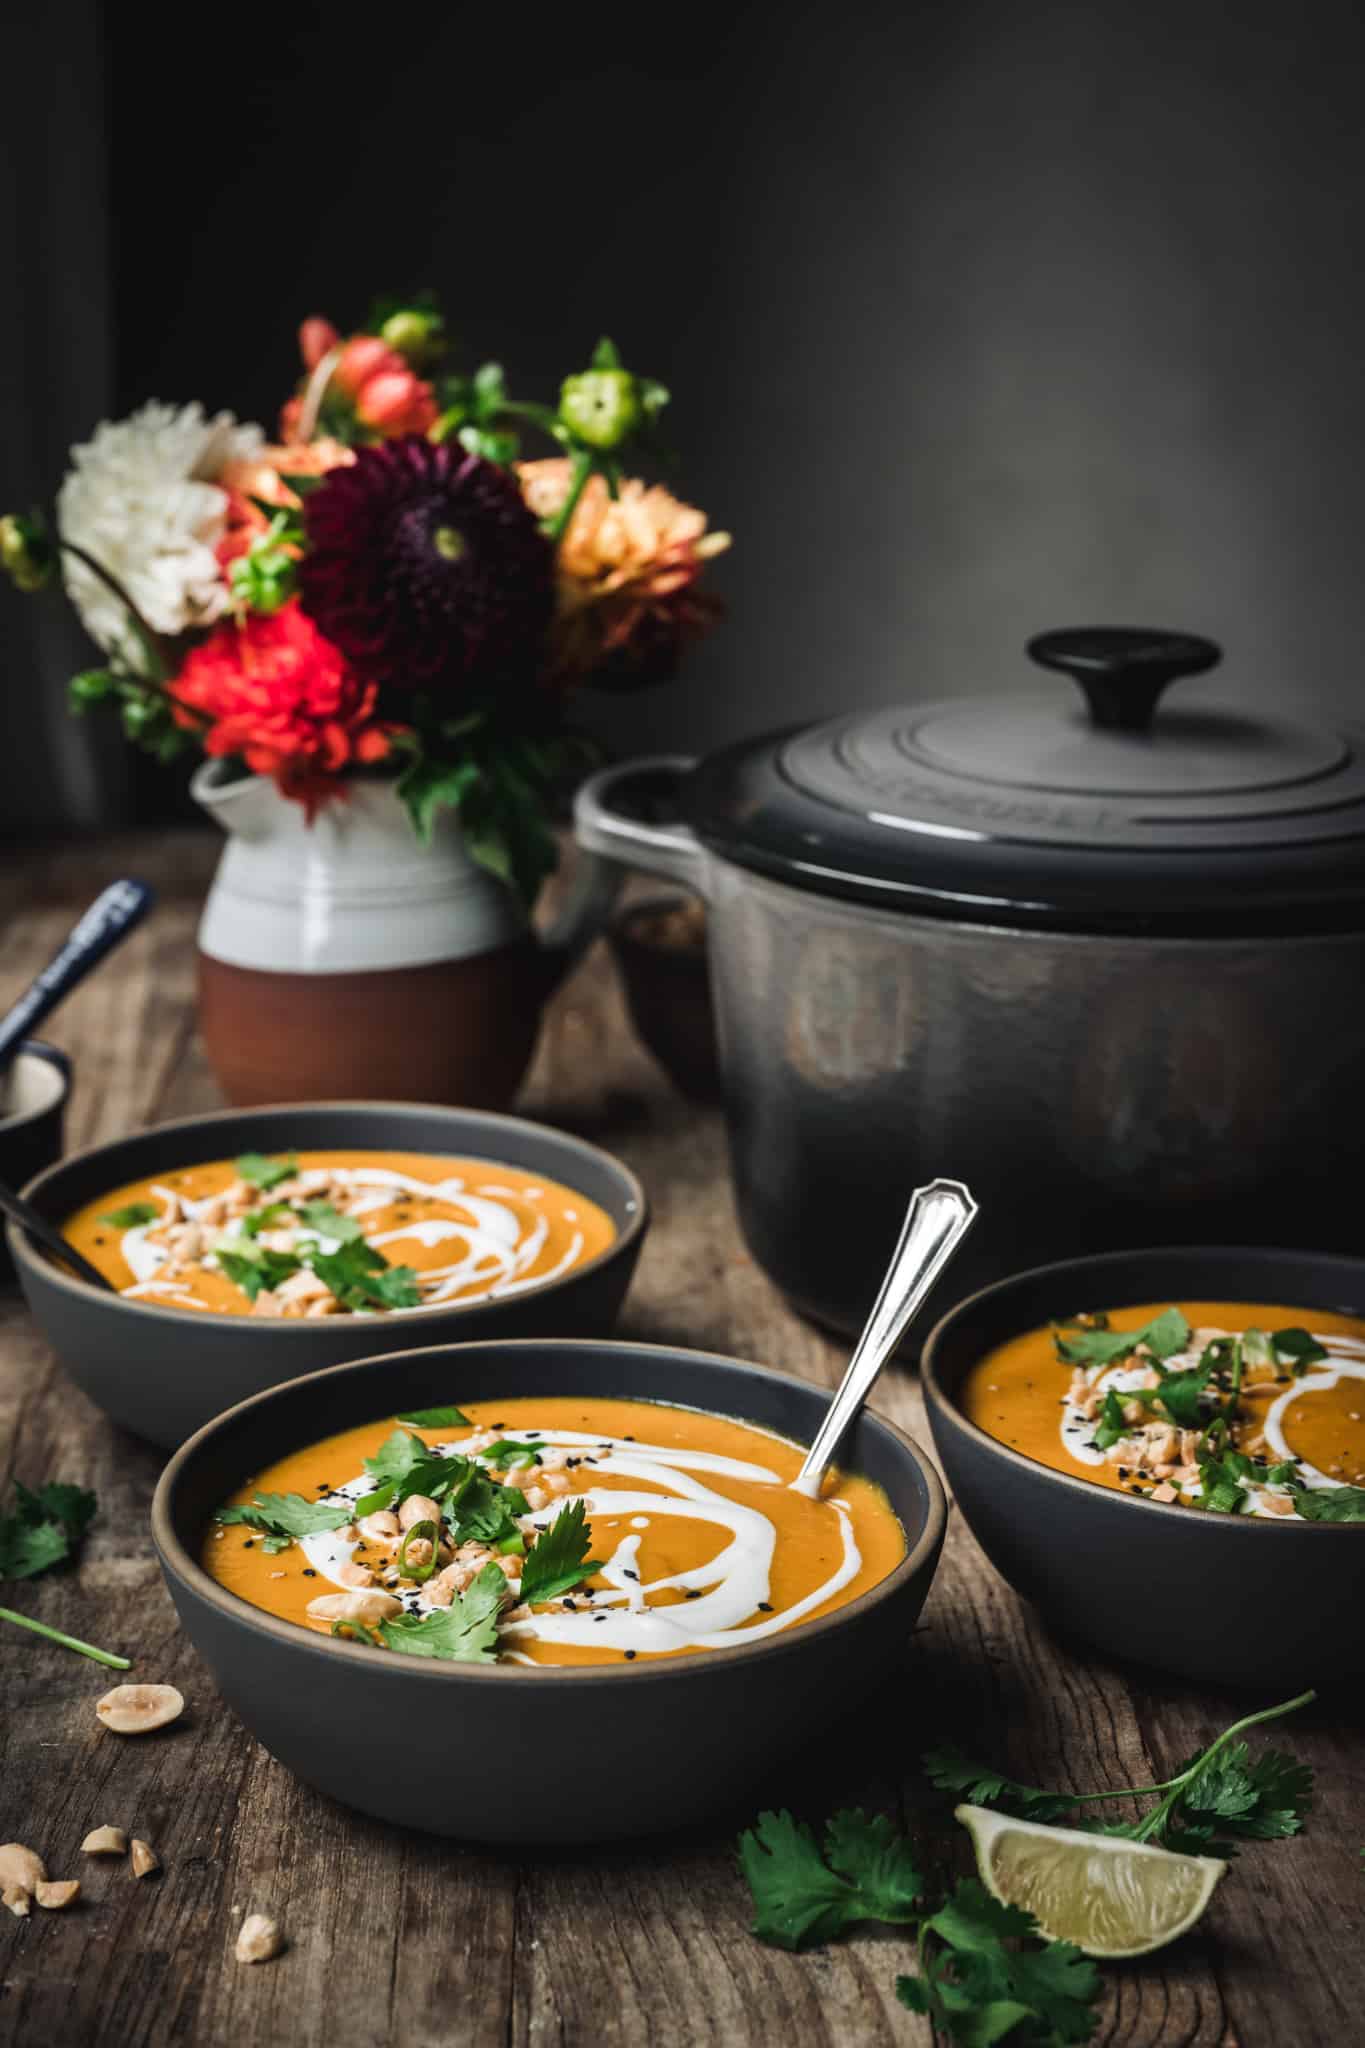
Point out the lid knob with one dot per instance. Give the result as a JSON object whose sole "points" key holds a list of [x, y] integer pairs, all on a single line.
{"points": [[1123, 669]]}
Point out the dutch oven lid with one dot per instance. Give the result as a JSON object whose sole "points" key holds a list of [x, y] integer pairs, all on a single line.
{"points": [[1099, 809]]}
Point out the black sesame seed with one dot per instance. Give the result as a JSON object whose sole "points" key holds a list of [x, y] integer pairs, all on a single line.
{"points": [[765, 1607], [692, 1594], [250, 1543], [308, 1572], [630, 1656]]}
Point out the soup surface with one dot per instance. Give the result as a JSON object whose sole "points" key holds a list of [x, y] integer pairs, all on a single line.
{"points": [[569, 1531], [337, 1233], [1241, 1407]]}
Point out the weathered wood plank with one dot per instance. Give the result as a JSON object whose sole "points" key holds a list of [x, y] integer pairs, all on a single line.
{"points": [[397, 1938]]}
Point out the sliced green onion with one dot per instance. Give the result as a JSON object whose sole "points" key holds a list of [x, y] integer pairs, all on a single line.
{"points": [[415, 1572]]}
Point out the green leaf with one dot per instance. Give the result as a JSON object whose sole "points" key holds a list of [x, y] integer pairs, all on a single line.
{"points": [[1339, 1504], [1300, 1347], [397, 1456], [507, 1452], [1164, 1336], [329, 1222], [437, 1418], [481, 1511], [45, 1527], [1264, 1801], [133, 1215], [286, 1514], [253, 1268], [266, 1173], [606, 355], [302, 486], [872, 1856], [91, 686], [559, 1559], [429, 785], [1111, 1428], [466, 1632], [27, 1548], [1055, 1984], [361, 1277], [1180, 1393], [257, 1220], [952, 1771], [798, 1900]]}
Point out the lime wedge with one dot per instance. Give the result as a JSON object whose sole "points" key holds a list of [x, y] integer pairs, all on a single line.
{"points": [[1110, 1896]]}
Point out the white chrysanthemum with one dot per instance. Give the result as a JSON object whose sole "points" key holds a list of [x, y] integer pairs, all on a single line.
{"points": [[142, 500]]}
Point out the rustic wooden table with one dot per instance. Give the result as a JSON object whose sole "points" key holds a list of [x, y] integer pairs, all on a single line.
{"points": [[399, 1938]]}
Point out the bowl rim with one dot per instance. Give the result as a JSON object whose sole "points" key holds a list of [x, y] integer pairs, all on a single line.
{"points": [[58, 1062], [940, 1402], [177, 1561], [47, 1270]]}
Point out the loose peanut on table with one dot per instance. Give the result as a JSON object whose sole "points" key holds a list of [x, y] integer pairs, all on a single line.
{"points": [[105, 1842], [56, 1896], [20, 1866], [137, 1709], [145, 1859], [258, 1939]]}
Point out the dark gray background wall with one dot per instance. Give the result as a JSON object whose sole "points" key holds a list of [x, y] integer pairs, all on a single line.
{"points": [[981, 318]]}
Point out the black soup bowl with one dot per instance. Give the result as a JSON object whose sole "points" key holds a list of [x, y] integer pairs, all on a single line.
{"points": [[508, 1753], [164, 1372], [1231, 1599]]}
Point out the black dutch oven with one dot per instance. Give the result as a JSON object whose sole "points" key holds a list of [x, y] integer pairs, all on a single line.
{"points": [[1100, 953]]}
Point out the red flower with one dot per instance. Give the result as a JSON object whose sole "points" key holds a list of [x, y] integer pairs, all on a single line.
{"points": [[285, 699]]}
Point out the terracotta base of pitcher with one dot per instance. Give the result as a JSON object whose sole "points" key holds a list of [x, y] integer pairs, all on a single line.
{"points": [[459, 1031]]}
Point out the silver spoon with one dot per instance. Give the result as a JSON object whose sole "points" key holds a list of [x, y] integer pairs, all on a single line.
{"points": [[939, 1217], [51, 1239]]}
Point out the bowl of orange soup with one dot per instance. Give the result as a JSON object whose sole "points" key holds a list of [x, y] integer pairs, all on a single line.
{"points": [[248, 1247], [1165, 1450], [543, 1591]]}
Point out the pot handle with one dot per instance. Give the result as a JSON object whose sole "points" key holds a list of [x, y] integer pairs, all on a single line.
{"points": [[614, 836]]}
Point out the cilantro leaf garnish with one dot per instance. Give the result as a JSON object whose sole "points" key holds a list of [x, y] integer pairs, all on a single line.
{"points": [[361, 1277], [1180, 1393], [481, 1511], [507, 1452], [1163, 1336], [802, 1896], [1111, 1427], [329, 1222], [286, 1514], [44, 1529], [257, 1220], [397, 1456], [1262, 1801], [254, 1268], [266, 1173], [466, 1632], [132, 1216], [437, 1418], [1299, 1347], [1334, 1504], [558, 1560]]}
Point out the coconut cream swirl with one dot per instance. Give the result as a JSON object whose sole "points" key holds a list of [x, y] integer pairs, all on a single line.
{"points": [[728, 1592], [492, 1249]]}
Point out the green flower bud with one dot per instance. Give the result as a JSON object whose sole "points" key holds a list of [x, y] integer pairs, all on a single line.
{"points": [[25, 551], [417, 336], [601, 408]]}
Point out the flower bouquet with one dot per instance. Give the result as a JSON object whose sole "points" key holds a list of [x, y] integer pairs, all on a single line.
{"points": [[387, 590]]}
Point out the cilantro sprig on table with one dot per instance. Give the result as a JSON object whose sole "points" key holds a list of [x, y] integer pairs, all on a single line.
{"points": [[971, 1985], [986, 1973], [43, 1529], [1220, 1794]]}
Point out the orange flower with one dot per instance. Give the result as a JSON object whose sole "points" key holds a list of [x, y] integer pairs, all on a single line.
{"points": [[284, 698], [626, 575], [388, 397], [261, 476]]}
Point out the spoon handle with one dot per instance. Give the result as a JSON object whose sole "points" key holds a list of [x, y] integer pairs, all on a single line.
{"points": [[51, 1239], [109, 919], [939, 1217]]}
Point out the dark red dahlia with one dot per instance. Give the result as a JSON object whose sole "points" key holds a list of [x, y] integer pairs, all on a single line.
{"points": [[426, 568]]}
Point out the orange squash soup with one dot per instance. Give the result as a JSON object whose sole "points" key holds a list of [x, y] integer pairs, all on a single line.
{"points": [[337, 1233], [555, 1530], [1240, 1407]]}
